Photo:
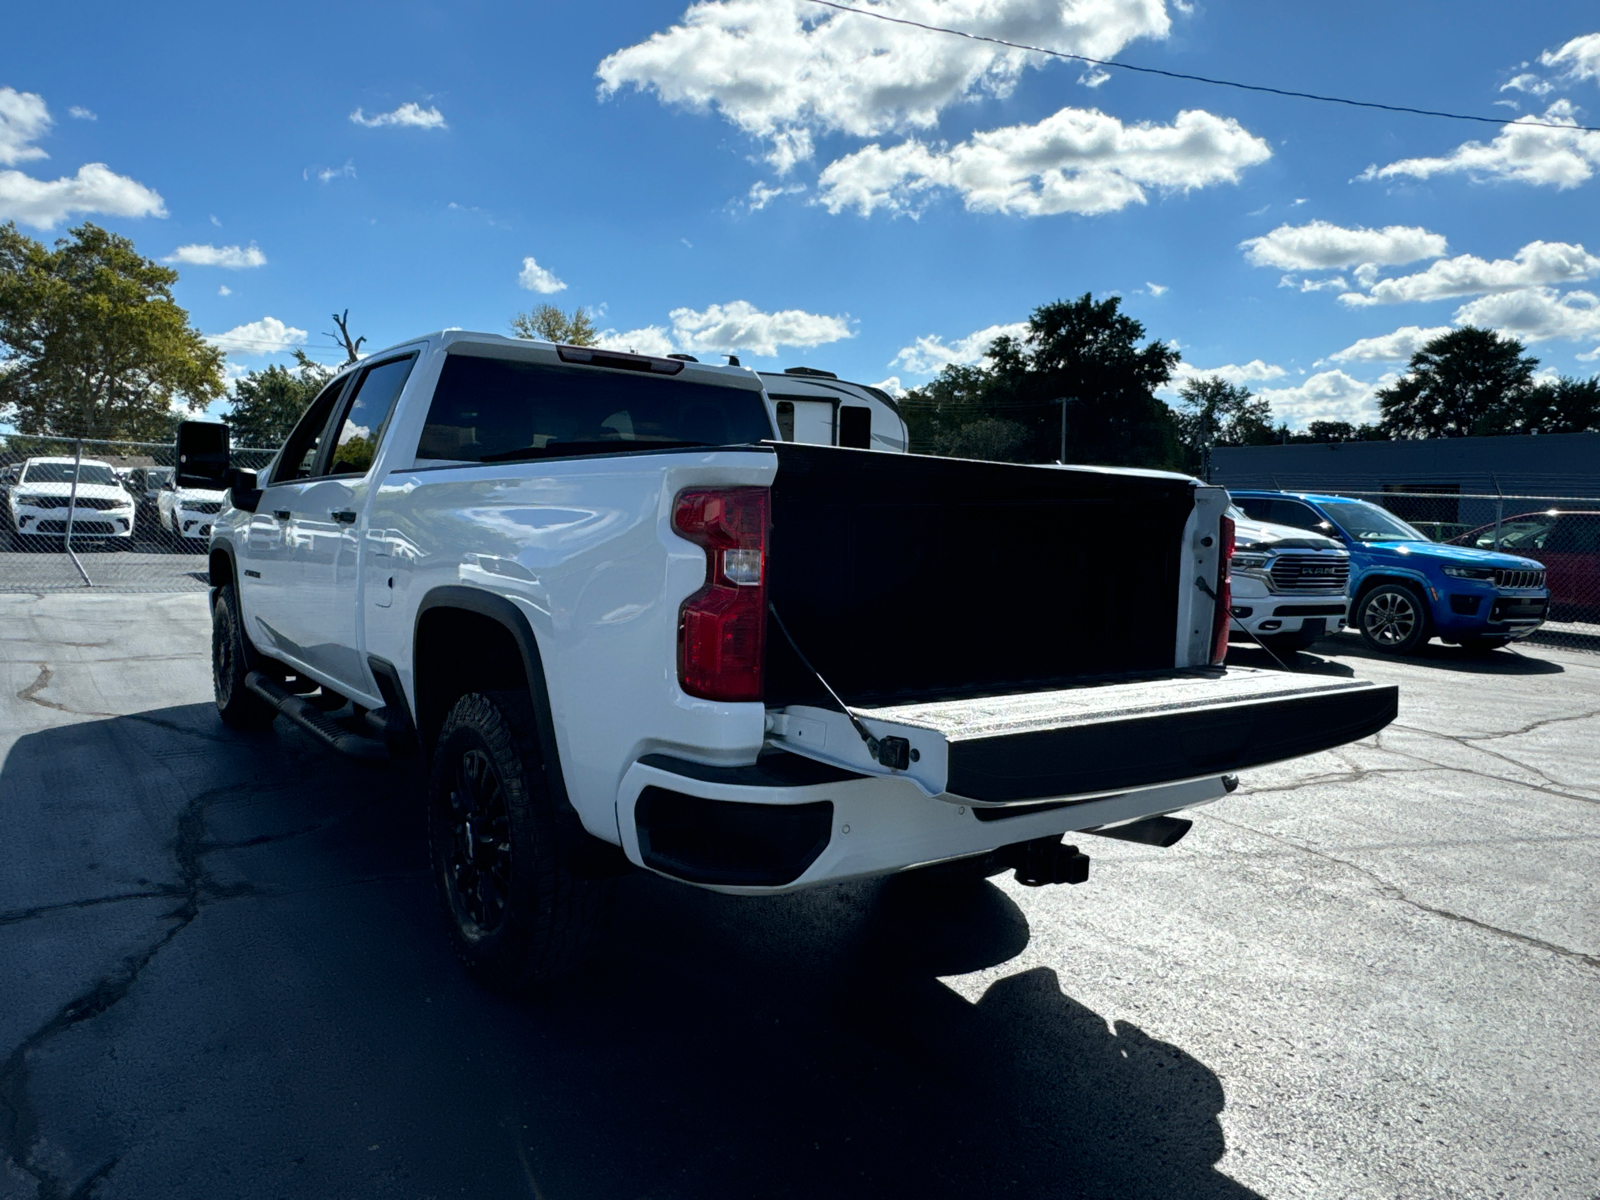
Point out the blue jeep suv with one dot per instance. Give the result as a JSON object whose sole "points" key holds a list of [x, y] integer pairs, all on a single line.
{"points": [[1406, 589]]}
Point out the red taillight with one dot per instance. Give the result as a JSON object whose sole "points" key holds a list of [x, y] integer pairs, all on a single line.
{"points": [[722, 628], [1220, 620]]}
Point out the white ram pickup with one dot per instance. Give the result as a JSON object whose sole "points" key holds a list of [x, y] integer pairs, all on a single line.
{"points": [[625, 625]]}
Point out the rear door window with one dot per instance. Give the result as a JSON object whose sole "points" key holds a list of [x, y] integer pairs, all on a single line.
{"points": [[367, 414], [504, 410]]}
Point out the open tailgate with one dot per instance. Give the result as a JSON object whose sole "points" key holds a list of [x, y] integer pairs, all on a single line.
{"points": [[1101, 739]]}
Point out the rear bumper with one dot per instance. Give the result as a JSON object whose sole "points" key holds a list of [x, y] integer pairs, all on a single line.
{"points": [[789, 824]]}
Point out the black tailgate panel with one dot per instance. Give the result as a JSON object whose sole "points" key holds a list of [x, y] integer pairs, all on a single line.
{"points": [[906, 576], [1110, 756]]}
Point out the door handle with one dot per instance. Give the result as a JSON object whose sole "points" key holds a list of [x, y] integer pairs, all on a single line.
{"points": [[283, 514], [345, 516]]}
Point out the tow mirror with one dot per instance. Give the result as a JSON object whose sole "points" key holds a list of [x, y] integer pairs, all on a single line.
{"points": [[202, 455]]}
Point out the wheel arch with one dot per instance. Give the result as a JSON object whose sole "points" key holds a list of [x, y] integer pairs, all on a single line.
{"points": [[223, 569], [1383, 575], [468, 639]]}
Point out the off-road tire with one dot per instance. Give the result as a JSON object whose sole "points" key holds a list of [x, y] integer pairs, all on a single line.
{"points": [[237, 705], [1393, 619], [517, 915]]}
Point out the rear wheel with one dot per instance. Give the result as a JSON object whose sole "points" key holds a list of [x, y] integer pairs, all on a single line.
{"points": [[518, 917], [237, 705], [1393, 619]]}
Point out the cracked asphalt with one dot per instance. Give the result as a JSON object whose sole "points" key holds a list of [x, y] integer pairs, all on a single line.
{"points": [[1372, 973]]}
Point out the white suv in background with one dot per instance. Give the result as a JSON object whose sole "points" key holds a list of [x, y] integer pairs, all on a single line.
{"points": [[38, 501], [1290, 586], [187, 512]]}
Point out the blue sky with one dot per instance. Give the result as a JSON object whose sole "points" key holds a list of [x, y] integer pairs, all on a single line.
{"points": [[809, 187]]}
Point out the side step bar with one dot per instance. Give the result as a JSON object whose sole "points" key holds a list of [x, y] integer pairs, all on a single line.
{"points": [[314, 721]]}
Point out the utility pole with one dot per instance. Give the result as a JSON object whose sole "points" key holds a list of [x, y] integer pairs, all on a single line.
{"points": [[1063, 402]]}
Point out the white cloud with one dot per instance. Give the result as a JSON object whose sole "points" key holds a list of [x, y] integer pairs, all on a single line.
{"points": [[235, 258], [95, 189], [1534, 85], [742, 326], [1078, 160], [1578, 59], [224, 290], [24, 119], [729, 328], [328, 174], [409, 113], [1325, 396], [1320, 246], [78, 113], [536, 279], [1254, 371], [891, 385], [1337, 283], [785, 70], [1520, 153], [652, 339], [1535, 314], [1398, 346], [762, 194], [1534, 264], [266, 336], [1156, 289], [930, 354]]}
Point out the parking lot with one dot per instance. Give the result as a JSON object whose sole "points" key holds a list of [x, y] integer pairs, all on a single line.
{"points": [[1372, 973]]}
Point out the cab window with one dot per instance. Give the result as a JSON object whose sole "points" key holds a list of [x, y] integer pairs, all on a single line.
{"points": [[299, 454]]}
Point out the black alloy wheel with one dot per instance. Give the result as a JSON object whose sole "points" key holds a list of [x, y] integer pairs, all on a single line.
{"points": [[518, 916], [237, 705], [477, 856], [1393, 619]]}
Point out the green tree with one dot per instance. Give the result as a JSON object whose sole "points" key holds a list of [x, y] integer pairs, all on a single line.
{"points": [[1213, 412], [1469, 382], [547, 323], [267, 403], [1079, 363], [97, 345], [1566, 406]]}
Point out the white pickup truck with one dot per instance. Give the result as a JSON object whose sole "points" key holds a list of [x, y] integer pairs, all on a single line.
{"points": [[622, 622]]}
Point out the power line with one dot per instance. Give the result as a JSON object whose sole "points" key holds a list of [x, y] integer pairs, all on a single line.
{"points": [[1246, 87]]}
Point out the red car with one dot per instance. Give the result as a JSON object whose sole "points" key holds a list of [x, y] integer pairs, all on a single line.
{"points": [[1567, 543]]}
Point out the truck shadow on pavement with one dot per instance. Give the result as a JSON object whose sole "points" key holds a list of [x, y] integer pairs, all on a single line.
{"points": [[237, 984]]}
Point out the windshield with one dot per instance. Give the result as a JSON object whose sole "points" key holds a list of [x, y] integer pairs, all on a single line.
{"points": [[499, 410], [1365, 522], [1517, 533], [56, 472]]}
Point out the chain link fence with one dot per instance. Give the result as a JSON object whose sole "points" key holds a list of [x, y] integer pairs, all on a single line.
{"points": [[86, 513], [1562, 533]]}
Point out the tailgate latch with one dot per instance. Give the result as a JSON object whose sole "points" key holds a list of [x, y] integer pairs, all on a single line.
{"points": [[892, 752]]}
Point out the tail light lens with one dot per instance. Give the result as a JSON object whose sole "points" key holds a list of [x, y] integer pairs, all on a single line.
{"points": [[1219, 622], [722, 628]]}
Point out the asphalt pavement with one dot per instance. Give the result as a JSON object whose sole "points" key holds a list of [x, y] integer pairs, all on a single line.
{"points": [[1372, 973]]}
